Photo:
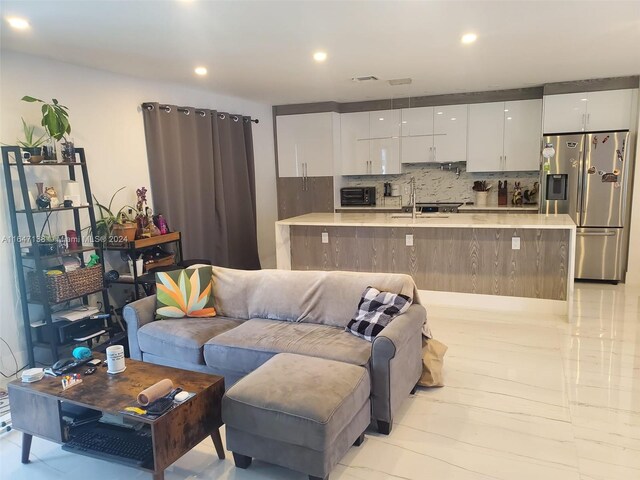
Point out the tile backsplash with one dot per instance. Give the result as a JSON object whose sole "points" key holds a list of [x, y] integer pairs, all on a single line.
{"points": [[436, 185]]}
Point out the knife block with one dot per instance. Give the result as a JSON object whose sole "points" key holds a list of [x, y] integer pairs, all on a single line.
{"points": [[502, 193]]}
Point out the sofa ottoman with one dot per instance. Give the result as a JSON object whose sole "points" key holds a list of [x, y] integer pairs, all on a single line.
{"points": [[299, 412]]}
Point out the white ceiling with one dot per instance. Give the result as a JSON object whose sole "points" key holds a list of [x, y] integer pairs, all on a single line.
{"points": [[262, 50]]}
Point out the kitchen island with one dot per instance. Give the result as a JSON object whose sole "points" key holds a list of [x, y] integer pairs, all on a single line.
{"points": [[488, 256]]}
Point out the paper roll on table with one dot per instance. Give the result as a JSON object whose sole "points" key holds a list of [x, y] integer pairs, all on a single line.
{"points": [[154, 392]]}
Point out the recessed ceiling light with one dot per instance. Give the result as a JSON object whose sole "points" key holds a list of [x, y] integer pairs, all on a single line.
{"points": [[404, 121], [18, 23], [508, 118], [381, 118], [200, 71], [506, 109], [320, 56], [584, 99], [453, 118], [439, 113], [469, 38]]}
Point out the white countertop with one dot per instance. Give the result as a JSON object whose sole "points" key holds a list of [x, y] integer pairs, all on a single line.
{"points": [[454, 220]]}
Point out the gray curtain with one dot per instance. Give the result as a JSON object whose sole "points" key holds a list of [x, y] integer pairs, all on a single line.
{"points": [[203, 181]]}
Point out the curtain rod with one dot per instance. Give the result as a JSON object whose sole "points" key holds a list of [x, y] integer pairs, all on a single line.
{"points": [[202, 113]]}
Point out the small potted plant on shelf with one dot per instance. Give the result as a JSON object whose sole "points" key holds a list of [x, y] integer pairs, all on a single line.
{"points": [[482, 191], [55, 120], [120, 226], [47, 245], [31, 147]]}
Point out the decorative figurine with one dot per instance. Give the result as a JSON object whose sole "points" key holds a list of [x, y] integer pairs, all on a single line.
{"points": [[53, 197], [517, 194]]}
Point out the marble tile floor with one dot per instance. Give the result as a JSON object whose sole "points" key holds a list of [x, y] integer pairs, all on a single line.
{"points": [[526, 397]]}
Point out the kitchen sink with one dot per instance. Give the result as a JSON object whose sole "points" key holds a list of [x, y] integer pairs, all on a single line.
{"points": [[419, 215]]}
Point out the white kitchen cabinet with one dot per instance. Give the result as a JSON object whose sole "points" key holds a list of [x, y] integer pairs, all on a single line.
{"points": [[450, 134], [384, 147], [588, 111], [306, 144], [416, 121], [370, 142], [485, 137], [384, 156], [354, 131], [522, 135], [434, 134], [609, 110], [416, 135], [504, 136], [565, 113]]}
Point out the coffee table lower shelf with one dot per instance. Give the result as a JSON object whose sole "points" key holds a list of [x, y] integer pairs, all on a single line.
{"points": [[36, 410]]}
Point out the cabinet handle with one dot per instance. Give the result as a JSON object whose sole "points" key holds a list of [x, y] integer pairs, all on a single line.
{"points": [[435, 153], [584, 120], [504, 163], [588, 119]]}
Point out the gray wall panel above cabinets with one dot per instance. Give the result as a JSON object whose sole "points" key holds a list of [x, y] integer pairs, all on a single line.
{"points": [[412, 102], [594, 85]]}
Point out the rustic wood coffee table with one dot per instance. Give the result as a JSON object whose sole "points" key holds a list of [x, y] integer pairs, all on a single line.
{"points": [[36, 408]]}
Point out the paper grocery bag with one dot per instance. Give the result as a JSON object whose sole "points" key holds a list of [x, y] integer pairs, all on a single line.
{"points": [[432, 361]]}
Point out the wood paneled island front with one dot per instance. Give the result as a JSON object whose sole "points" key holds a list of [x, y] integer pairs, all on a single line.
{"points": [[525, 256]]}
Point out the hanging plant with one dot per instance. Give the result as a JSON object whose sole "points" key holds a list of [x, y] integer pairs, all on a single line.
{"points": [[55, 117]]}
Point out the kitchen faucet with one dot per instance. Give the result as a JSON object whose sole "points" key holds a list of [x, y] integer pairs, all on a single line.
{"points": [[412, 197]]}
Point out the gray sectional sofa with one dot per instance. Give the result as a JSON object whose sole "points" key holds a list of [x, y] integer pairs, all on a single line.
{"points": [[266, 312]]}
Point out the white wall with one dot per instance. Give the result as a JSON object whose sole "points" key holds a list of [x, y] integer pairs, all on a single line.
{"points": [[633, 270], [106, 121]]}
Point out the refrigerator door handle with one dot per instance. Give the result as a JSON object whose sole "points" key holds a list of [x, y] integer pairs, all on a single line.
{"points": [[596, 234]]}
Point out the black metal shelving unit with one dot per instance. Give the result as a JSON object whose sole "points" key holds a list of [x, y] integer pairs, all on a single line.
{"points": [[12, 163]]}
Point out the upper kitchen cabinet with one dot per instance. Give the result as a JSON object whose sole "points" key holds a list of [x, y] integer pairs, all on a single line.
{"points": [[588, 111], [370, 142], [486, 137], [450, 134], [609, 110], [504, 136], [565, 113], [307, 144], [434, 134], [416, 135], [522, 135], [354, 139]]}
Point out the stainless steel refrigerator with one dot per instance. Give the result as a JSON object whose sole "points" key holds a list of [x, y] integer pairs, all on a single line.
{"points": [[586, 178]]}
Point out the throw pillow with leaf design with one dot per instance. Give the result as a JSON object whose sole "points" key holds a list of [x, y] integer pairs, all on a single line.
{"points": [[184, 293]]}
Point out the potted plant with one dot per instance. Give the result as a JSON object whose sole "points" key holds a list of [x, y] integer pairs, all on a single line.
{"points": [[31, 145], [55, 120], [482, 191], [121, 224], [47, 245]]}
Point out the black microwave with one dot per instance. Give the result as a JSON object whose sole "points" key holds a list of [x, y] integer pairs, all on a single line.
{"points": [[357, 196]]}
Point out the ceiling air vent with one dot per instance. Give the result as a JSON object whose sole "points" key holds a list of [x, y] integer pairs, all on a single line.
{"points": [[400, 81], [366, 78]]}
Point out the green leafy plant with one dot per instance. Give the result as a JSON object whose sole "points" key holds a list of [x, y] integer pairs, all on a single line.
{"points": [[108, 219], [28, 141], [55, 117]]}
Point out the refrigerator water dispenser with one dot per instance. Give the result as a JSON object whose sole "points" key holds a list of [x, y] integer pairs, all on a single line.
{"points": [[556, 186]]}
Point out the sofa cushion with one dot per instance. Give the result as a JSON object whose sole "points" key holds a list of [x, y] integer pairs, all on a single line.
{"points": [[327, 298], [182, 339], [248, 346], [297, 400]]}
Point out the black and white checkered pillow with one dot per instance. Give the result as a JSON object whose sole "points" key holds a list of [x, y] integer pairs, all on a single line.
{"points": [[375, 310]]}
